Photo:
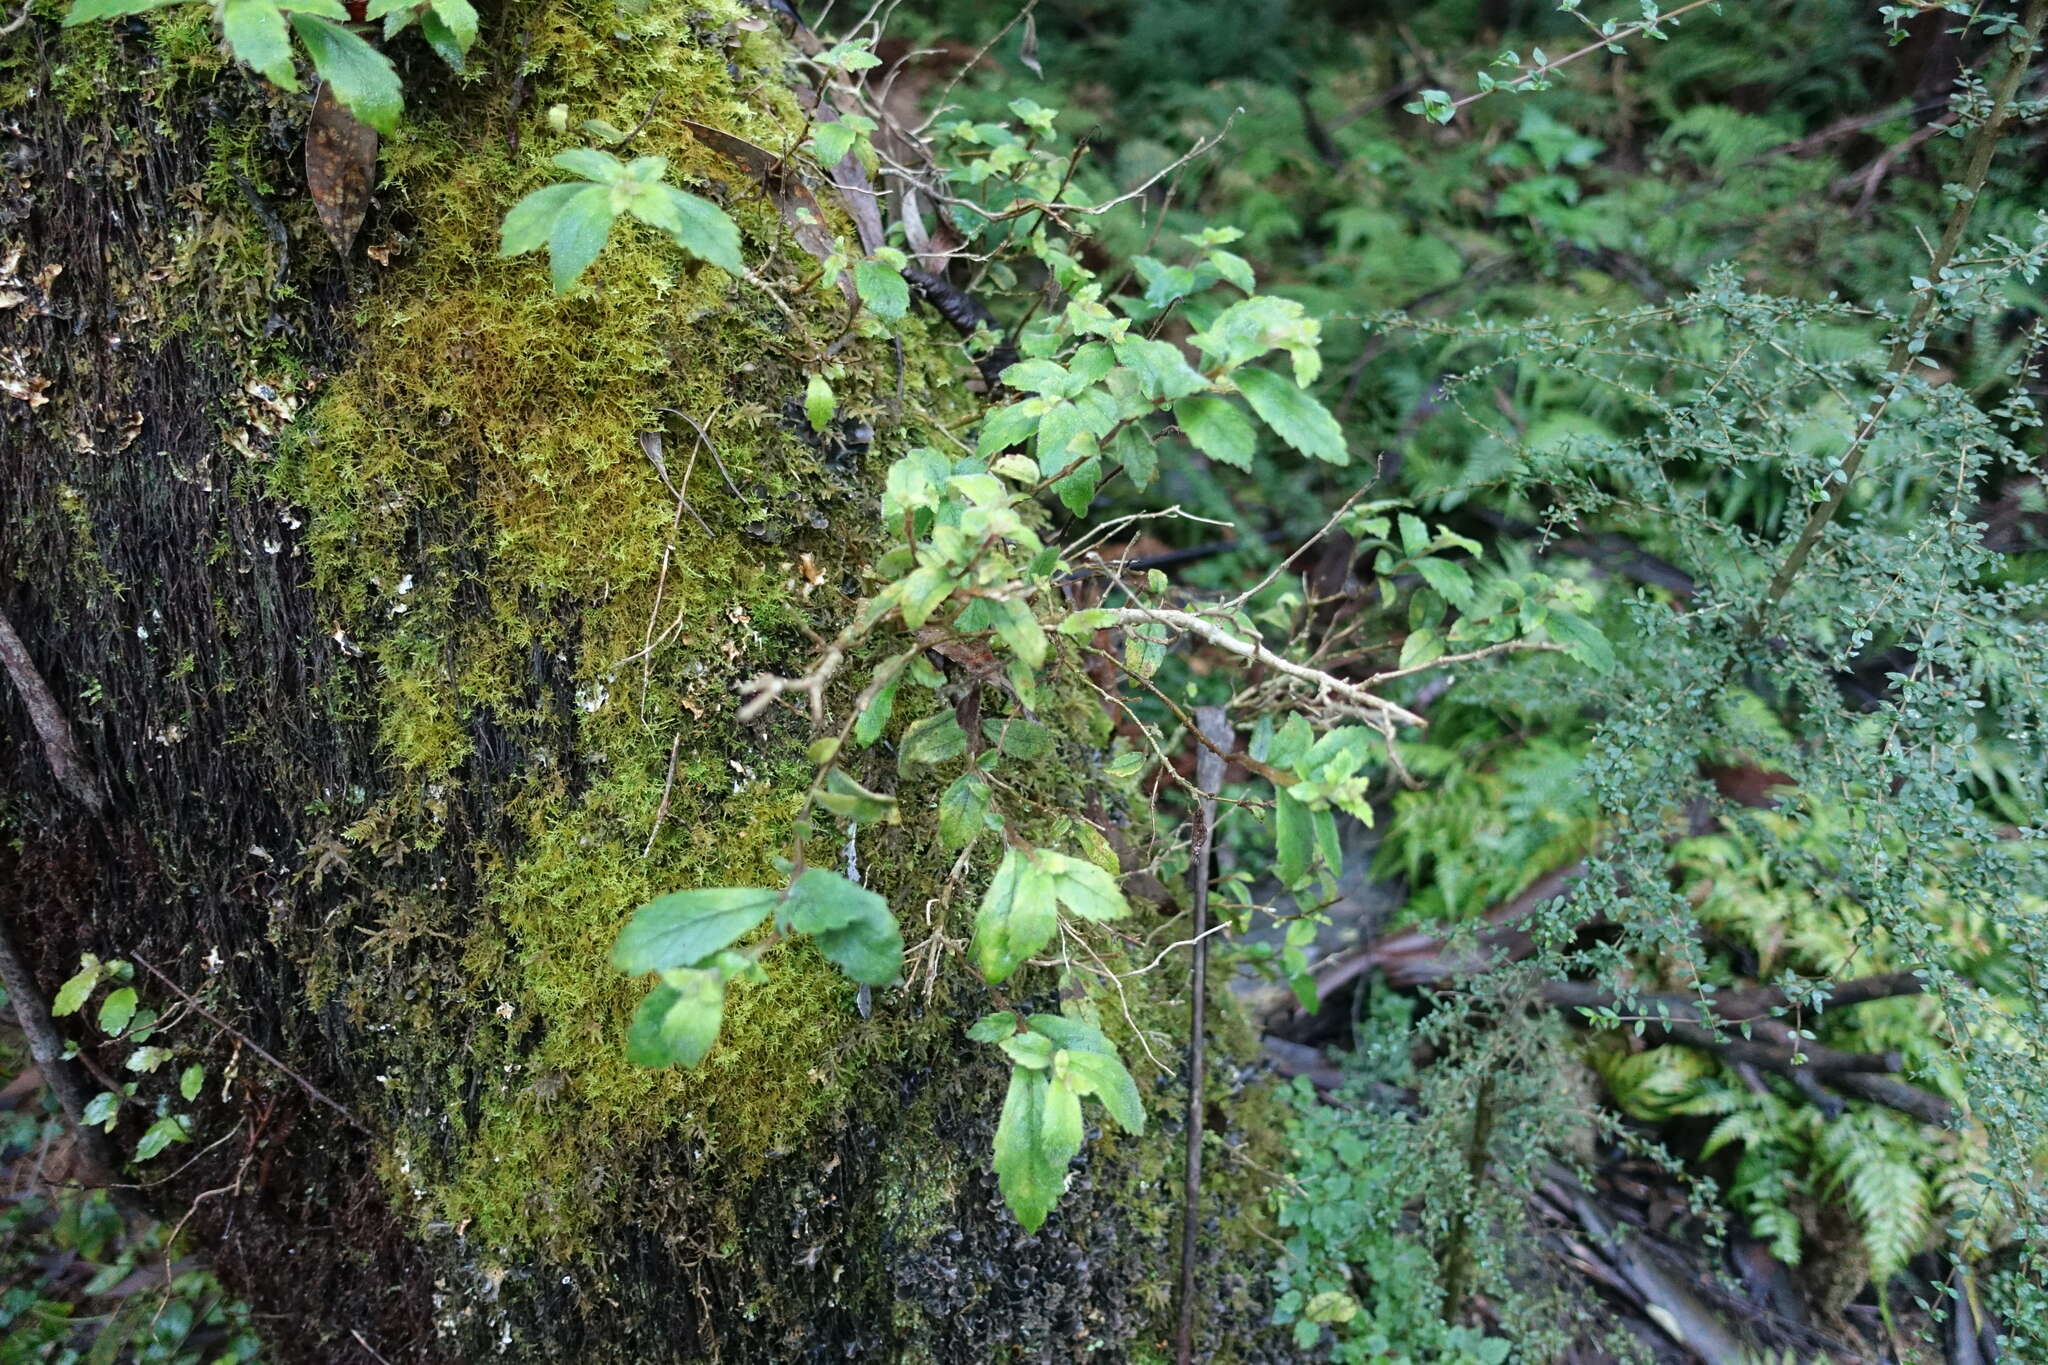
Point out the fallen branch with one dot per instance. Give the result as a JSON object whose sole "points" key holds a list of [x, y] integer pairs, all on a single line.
{"points": [[60, 750], [46, 1048]]}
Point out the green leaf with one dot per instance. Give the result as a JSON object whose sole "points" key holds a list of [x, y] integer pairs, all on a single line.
{"points": [[1450, 580], [1019, 738], [362, 77], [75, 992], [1133, 449], [963, 810], [102, 1109], [1082, 887], [993, 1028], [188, 1083], [1019, 629], [117, 1009], [1039, 376], [923, 591], [1581, 639], [1007, 426], [580, 229], [442, 39], [874, 718], [851, 925], [679, 1020], [695, 224], [459, 18], [1028, 1049], [1017, 917], [85, 11], [1217, 429], [527, 226], [1105, 1077], [1060, 1131], [161, 1134], [931, 740], [147, 1059], [1076, 491], [830, 142], [1421, 647], [820, 403], [1163, 372], [849, 800], [684, 928], [1294, 416], [1293, 838], [592, 164], [256, 34], [881, 289], [1027, 1173]]}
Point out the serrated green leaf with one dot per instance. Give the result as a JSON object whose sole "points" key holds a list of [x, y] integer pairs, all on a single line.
{"points": [[85, 11], [1104, 1076], [1293, 840], [1030, 1179], [1581, 639], [591, 164], [695, 224], [850, 924], [874, 717], [931, 740], [1450, 580], [1421, 647], [1008, 425], [1215, 427], [685, 928], [362, 78], [1019, 738], [161, 1134], [1082, 887], [1017, 918], [963, 810], [256, 34], [578, 234], [1019, 629], [73, 994], [147, 1058], [1163, 372], [993, 1028], [1028, 1049], [190, 1080], [1039, 376], [679, 1020], [1295, 416], [103, 1109], [881, 289], [830, 142], [117, 1009], [527, 226], [460, 18]]}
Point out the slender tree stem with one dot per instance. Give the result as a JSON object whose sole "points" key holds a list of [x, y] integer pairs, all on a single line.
{"points": [[46, 1047], [1983, 146], [1213, 726]]}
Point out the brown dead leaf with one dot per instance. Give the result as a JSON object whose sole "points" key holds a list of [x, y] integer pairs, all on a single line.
{"points": [[341, 163]]}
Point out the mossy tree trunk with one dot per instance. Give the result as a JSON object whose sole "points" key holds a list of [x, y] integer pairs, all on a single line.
{"points": [[367, 593]]}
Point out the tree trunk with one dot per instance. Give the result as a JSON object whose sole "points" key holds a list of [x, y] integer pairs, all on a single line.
{"points": [[406, 677]]}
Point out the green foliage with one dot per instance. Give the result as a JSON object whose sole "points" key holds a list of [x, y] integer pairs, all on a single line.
{"points": [[124, 1019], [574, 220], [1057, 1061]]}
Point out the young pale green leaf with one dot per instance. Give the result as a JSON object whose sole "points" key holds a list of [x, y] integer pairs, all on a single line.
{"points": [[592, 164], [256, 34], [1295, 416], [447, 46], [527, 226], [820, 403], [679, 1020], [1017, 917], [1087, 621], [147, 1059], [1082, 887], [684, 928], [362, 77], [923, 591], [1421, 647], [161, 1134], [874, 717], [579, 232], [459, 18], [117, 1009], [1039, 376], [1076, 1035], [72, 995], [851, 925], [1060, 1133], [85, 11], [881, 289], [931, 740], [1217, 429], [963, 810], [190, 1080], [830, 142], [993, 1028], [1028, 1049], [1104, 1076], [694, 223], [1027, 1173], [1076, 489]]}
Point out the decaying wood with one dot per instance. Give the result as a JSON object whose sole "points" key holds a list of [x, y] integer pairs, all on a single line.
{"points": [[60, 750]]}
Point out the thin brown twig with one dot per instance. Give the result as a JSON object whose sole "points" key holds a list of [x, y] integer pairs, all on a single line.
{"points": [[250, 1043], [1213, 723]]}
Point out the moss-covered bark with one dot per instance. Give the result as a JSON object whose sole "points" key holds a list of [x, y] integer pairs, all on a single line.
{"points": [[409, 677]]}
